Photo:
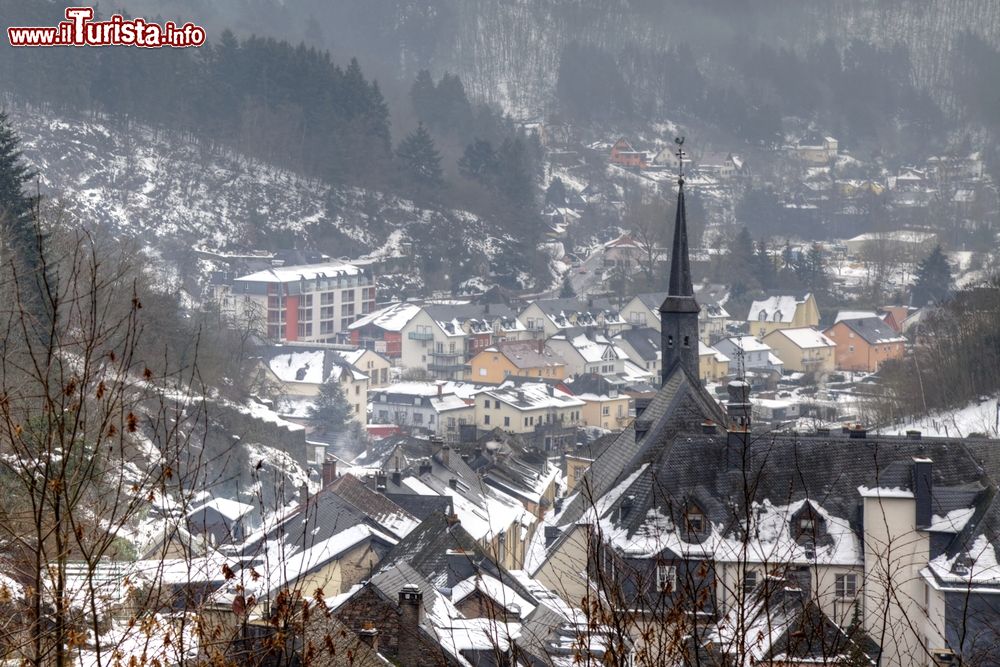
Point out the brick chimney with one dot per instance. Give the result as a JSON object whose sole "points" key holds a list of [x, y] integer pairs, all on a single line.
{"points": [[329, 471], [738, 408], [446, 455], [411, 602], [369, 635]]}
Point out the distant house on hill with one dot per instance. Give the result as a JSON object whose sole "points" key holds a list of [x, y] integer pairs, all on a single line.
{"points": [[623, 155]]}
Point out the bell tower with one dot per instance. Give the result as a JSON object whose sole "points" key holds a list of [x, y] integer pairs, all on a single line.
{"points": [[679, 311]]}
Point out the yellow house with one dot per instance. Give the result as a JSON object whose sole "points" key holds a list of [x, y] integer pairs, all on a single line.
{"points": [[532, 359], [713, 365], [804, 350], [782, 312], [522, 408], [604, 410]]}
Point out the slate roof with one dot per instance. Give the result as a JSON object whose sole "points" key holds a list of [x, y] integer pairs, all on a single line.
{"points": [[645, 342], [525, 354], [425, 550], [873, 330]]}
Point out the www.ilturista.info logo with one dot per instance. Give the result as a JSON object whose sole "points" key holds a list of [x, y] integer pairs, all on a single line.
{"points": [[80, 30]]}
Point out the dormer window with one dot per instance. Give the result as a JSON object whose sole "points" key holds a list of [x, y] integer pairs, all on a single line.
{"points": [[762, 316], [694, 519], [670, 341], [807, 524]]}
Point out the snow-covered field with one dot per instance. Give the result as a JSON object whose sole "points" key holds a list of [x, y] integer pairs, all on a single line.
{"points": [[980, 416]]}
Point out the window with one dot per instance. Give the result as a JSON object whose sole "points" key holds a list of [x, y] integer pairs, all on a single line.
{"points": [[383, 416], [807, 524], [670, 341], [850, 348], [749, 580], [666, 578], [357, 389], [486, 402], [486, 419], [606, 410], [506, 421], [687, 341], [482, 371], [305, 329], [695, 520], [418, 418], [846, 585]]}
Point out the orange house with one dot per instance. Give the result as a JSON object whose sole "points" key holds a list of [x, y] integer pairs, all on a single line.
{"points": [[624, 155], [865, 344], [531, 359]]}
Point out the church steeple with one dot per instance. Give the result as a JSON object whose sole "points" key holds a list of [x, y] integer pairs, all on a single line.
{"points": [[679, 311]]}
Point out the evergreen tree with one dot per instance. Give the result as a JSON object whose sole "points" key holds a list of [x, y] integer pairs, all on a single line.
{"points": [[567, 291], [21, 237], [479, 162], [423, 95], [764, 269], [331, 412], [556, 193], [420, 158], [933, 279]]}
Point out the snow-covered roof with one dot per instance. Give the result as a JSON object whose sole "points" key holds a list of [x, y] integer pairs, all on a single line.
{"points": [[774, 309], [854, 315], [805, 337], [290, 274], [746, 344], [230, 509], [704, 350], [494, 589], [390, 318], [533, 396]]}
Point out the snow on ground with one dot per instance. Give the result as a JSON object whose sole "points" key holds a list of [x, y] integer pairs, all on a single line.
{"points": [[980, 416]]}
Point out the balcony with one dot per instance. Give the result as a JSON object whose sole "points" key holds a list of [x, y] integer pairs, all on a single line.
{"points": [[444, 367], [420, 335]]}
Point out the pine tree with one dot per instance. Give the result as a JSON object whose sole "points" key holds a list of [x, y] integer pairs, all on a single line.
{"points": [[567, 291], [765, 271], [556, 193], [479, 162], [420, 158], [933, 283], [331, 412], [423, 95], [22, 240]]}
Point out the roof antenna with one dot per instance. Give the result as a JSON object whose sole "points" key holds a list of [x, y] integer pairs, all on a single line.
{"points": [[680, 160]]}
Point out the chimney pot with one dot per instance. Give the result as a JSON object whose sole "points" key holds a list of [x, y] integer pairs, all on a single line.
{"points": [[369, 635]]}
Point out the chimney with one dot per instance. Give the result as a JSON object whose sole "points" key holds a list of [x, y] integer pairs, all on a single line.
{"points": [[923, 486], [626, 507], [913, 435], [541, 346], [642, 427], [369, 635], [738, 408], [380, 479], [452, 519], [411, 602], [445, 455], [453, 483], [425, 468], [858, 432], [397, 478], [823, 431], [329, 471], [303, 494], [708, 427]]}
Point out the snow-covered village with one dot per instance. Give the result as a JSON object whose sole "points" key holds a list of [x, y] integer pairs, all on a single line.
{"points": [[500, 334]]}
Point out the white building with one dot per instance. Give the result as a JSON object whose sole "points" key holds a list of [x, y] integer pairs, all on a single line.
{"points": [[310, 303]]}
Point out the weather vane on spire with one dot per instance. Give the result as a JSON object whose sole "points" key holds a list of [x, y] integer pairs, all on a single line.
{"points": [[680, 159]]}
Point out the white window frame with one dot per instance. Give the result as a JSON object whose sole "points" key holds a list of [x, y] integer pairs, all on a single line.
{"points": [[666, 578], [846, 585]]}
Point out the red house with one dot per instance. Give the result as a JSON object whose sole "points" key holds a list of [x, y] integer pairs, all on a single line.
{"points": [[624, 155]]}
